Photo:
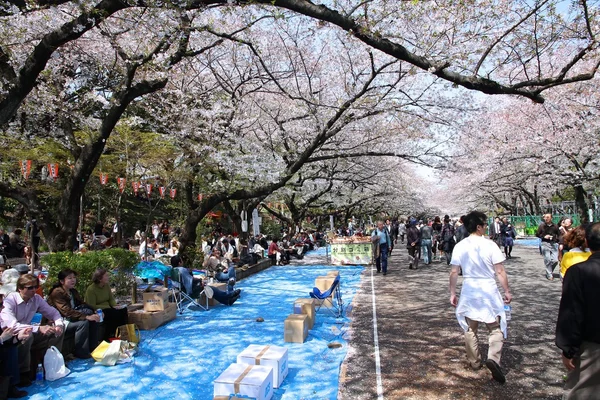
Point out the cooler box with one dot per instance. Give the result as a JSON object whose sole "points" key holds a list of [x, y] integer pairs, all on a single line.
{"points": [[254, 381], [275, 357]]}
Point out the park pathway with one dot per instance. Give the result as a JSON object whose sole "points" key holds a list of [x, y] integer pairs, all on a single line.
{"points": [[421, 345]]}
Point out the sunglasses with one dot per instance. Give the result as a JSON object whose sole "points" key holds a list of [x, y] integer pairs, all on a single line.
{"points": [[31, 287]]}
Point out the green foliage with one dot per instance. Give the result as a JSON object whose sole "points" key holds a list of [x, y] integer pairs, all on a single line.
{"points": [[119, 261], [270, 228]]}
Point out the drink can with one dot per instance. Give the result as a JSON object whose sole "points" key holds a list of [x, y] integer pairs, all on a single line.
{"points": [[100, 314]]}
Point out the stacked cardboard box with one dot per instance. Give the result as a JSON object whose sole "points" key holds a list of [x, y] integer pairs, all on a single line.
{"points": [[151, 320], [275, 357], [306, 307], [254, 381], [155, 299]]}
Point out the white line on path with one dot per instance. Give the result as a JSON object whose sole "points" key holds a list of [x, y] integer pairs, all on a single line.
{"points": [[376, 342]]}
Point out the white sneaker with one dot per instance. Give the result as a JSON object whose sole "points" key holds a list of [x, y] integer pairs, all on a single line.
{"points": [[208, 291]]}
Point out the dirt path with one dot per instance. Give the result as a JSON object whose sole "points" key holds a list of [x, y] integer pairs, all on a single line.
{"points": [[421, 344]]}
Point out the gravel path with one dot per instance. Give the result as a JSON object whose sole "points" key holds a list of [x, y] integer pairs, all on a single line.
{"points": [[421, 344]]}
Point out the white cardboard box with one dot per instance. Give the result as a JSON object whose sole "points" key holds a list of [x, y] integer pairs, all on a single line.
{"points": [[255, 381], [275, 357]]}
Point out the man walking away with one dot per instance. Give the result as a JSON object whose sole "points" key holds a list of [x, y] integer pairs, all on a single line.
{"points": [[480, 301], [426, 241], [578, 326], [447, 237], [548, 232], [413, 244], [380, 235]]}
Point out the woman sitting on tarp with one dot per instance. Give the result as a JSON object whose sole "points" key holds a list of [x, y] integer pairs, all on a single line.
{"points": [[82, 317], [220, 269], [99, 296]]}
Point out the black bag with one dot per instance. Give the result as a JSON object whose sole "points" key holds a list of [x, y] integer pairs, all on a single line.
{"points": [[85, 309]]}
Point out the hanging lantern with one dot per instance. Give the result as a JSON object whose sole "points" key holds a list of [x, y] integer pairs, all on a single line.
{"points": [[162, 190], [149, 188], [200, 197], [136, 187], [53, 171], [103, 178], [173, 193], [121, 182], [25, 168]]}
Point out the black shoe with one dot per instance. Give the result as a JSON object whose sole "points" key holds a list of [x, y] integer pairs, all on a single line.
{"points": [[233, 300], [378, 271], [496, 371], [25, 380], [385, 273], [14, 393], [237, 292]]}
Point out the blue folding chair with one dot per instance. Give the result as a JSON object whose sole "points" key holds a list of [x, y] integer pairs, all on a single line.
{"points": [[333, 296]]}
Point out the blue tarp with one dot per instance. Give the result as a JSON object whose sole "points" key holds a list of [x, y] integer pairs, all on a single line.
{"points": [[182, 358], [152, 270]]}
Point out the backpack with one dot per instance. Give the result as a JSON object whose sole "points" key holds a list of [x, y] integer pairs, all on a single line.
{"points": [[448, 233]]}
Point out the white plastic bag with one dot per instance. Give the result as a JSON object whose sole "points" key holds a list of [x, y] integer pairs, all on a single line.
{"points": [[54, 365]]}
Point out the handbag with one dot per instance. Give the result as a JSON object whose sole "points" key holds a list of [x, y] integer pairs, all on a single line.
{"points": [[107, 353], [129, 332], [85, 309]]}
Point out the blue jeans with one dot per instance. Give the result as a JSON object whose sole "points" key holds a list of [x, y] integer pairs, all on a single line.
{"points": [[382, 261], [226, 276], [426, 250]]}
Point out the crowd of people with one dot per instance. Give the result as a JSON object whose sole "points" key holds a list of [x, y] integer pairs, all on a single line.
{"points": [[460, 243]]}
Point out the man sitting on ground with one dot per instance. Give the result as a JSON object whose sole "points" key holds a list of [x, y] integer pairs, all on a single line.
{"points": [[19, 309]]}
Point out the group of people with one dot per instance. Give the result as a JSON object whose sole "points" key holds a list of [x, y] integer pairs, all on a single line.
{"points": [[427, 240], [562, 244], [23, 343]]}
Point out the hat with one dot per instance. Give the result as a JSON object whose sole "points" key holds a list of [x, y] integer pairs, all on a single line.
{"points": [[22, 268]]}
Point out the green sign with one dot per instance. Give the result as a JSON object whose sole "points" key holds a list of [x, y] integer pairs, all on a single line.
{"points": [[351, 253]]}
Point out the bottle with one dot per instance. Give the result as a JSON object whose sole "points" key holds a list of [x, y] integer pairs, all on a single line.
{"points": [[507, 311], [100, 314], [39, 375]]}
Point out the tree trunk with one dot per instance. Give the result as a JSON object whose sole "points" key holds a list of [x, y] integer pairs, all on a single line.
{"points": [[582, 204]]}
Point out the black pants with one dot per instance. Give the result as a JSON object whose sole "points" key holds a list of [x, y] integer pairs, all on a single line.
{"points": [[86, 337], [113, 318]]}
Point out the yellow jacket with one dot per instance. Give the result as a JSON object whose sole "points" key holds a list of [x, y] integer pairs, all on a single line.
{"points": [[572, 257]]}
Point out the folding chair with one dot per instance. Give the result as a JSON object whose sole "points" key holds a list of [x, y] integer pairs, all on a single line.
{"points": [[336, 301], [180, 295]]}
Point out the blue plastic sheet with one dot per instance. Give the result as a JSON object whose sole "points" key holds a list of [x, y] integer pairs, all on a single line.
{"points": [[182, 358], [152, 270]]}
